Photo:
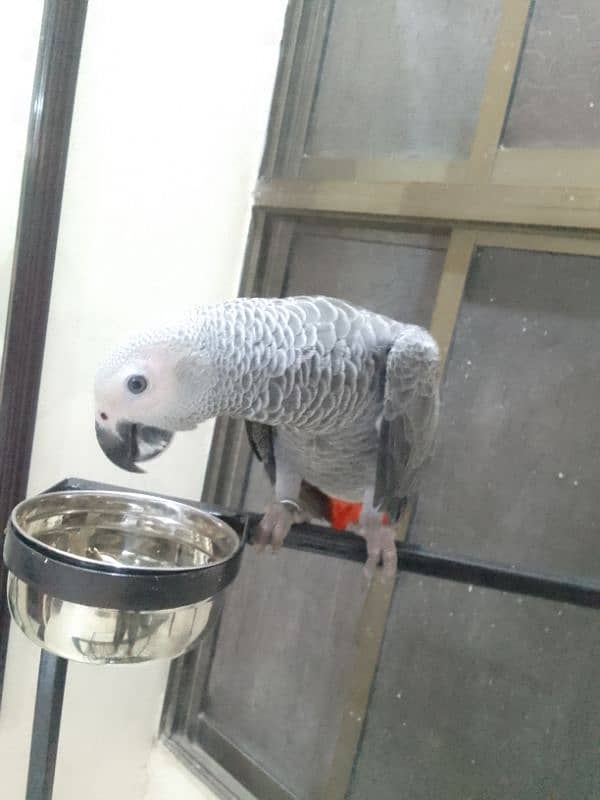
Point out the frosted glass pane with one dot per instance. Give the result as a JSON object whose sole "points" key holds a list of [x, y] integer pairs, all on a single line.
{"points": [[516, 476], [275, 689], [401, 77], [557, 95], [19, 34], [481, 695], [397, 278]]}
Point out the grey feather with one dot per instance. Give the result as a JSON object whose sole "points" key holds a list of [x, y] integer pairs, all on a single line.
{"points": [[409, 419], [261, 442]]}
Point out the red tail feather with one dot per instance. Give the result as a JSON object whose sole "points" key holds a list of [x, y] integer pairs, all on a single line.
{"points": [[343, 513]]}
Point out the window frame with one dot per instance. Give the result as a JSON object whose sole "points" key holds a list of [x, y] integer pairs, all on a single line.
{"points": [[51, 111], [496, 197]]}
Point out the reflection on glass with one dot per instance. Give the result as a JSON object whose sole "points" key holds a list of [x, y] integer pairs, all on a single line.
{"points": [[19, 33], [557, 94], [481, 695], [516, 476], [402, 78]]}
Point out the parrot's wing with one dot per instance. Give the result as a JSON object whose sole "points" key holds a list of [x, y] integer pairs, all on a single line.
{"points": [[409, 419], [260, 437]]}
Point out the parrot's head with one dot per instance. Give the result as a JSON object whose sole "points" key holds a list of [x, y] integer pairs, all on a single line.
{"points": [[147, 389]]}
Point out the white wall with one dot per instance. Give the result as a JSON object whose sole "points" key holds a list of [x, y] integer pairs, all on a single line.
{"points": [[168, 130], [170, 118]]}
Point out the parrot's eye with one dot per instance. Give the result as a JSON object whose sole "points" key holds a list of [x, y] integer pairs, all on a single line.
{"points": [[137, 384]]}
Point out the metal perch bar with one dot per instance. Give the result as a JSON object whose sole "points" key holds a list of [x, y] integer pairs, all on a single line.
{"points": [[412, 558]]}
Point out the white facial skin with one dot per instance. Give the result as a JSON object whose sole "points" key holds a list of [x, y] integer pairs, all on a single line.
{"points": [[144, 389]]}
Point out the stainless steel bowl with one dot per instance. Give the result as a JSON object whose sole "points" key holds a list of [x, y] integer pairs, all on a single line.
{"points": [[111, 577]]}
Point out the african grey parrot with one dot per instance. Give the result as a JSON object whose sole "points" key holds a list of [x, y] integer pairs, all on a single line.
{"points": [[338, 401]]}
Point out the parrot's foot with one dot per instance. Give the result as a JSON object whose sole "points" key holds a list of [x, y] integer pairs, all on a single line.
{"points": [[274, 526], [381, 547]]}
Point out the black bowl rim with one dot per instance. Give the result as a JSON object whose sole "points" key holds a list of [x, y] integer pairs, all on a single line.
{"points": [[98, 566], [118, 590]]}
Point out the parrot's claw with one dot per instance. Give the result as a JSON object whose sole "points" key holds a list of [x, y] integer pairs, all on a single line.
{"points": [[274, 526], [381, 548]]}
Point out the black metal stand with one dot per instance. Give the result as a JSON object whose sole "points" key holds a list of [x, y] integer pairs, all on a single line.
{"points": [[340, 544], [52, 675], [52, 103]]}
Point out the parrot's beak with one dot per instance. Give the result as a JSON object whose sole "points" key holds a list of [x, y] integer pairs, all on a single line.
{"points": [[132, 443]]}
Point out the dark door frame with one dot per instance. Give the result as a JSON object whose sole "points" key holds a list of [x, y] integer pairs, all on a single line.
{"points": [[50, 116]]}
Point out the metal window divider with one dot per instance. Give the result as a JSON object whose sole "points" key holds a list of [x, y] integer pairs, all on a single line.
{"points": [[371, 625]]}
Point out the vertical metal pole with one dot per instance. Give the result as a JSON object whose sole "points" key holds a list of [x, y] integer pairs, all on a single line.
{"points": [[50, 116], [52, 676]]}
